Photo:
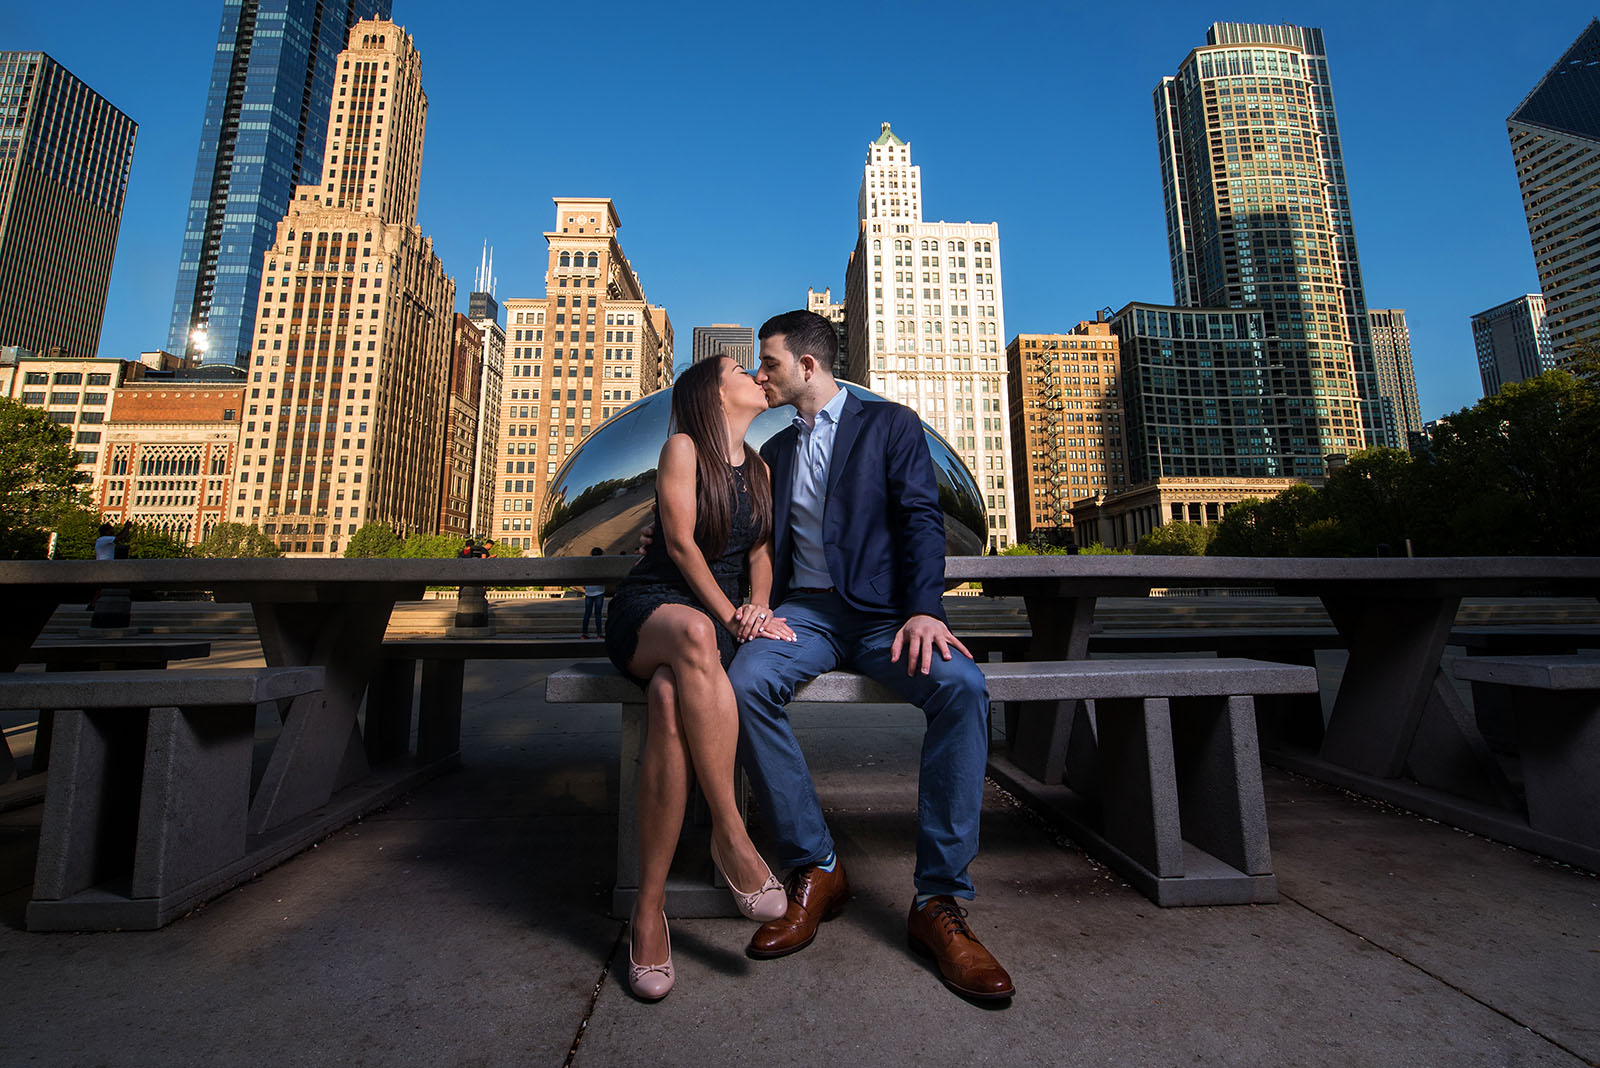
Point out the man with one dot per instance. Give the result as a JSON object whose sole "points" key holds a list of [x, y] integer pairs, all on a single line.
{"points": [[858, 562]]}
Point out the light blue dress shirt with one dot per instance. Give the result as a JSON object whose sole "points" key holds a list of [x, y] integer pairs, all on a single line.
{"points": [[809, 498]]}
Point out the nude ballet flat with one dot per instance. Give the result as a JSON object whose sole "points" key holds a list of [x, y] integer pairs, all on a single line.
{"points": [[652, 982], [766, 904]]}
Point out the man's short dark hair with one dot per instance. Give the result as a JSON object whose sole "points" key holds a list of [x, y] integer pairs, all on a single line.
{"points": [[805, 332]]}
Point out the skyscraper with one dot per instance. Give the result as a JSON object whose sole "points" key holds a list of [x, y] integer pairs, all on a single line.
{"points": [[64, 159], [350, 366], [584, 351], [1555, 140], [929, 335], [1397, 378], [724, 339], [264, 131], [1513, 342], [822, 303], [484, 311], [1066, 422], [1258, 217]]}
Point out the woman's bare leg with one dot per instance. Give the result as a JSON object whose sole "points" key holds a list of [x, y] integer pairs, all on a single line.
{"points": [[685, 639], [663, 795]]}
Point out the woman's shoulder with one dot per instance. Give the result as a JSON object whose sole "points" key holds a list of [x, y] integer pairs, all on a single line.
{"points": [[679, 447]]}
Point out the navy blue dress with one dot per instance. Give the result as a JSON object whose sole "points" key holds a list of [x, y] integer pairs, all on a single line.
{"points": [[655, 580]]}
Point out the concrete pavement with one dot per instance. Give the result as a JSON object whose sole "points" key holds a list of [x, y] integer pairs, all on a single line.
{"points": [[467, 925]]}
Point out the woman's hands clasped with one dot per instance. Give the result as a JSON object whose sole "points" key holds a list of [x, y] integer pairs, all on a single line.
{"points": [[752, 621]]}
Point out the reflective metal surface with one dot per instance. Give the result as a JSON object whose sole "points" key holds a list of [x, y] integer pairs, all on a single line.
{"points": [[602, 494]]}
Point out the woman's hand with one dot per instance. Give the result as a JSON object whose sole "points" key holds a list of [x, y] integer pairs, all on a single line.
{"points": [[751, 621]]}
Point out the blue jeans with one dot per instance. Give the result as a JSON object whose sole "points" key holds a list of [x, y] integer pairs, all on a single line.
{"points": [[596, 606], [955, 749]]}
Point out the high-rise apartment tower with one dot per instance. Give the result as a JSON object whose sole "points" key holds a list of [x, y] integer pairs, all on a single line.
{"points": [[1397, 377], [1513, 342], [1066, 423], [264, 132], [724, 339], [1258, 216], [64, 159], [584, 351], [350, 365], [924, 321], [484, 311], [1555, 140]]}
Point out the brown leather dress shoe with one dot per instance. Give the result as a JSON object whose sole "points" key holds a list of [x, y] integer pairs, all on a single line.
{"points": [[814, 895], [939, 930]]}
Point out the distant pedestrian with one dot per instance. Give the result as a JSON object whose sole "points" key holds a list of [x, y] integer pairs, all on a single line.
{"points": [[594, 602], [105, 546], [468, 551]]}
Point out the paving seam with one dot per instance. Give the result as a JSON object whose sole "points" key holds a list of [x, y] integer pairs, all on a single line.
{"points": [[594, 998], [1435, 977]]}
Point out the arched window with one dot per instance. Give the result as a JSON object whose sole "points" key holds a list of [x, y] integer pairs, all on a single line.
{"points": [[566, 259], [594, 259]]}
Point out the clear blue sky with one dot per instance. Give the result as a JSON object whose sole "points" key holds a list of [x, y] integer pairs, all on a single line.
{"points": [[732, 139]]}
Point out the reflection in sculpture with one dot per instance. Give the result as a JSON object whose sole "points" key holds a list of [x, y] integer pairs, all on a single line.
{"points": [[602, 494]]}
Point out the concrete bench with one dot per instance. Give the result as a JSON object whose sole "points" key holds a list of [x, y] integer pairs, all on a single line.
{"points": [[1555, 713], [1164, 779], [119, 655], [392, 691], [1491, 704], [146, 809]]}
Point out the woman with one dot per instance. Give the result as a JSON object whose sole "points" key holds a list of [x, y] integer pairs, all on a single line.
{"points": [[675, 622]]}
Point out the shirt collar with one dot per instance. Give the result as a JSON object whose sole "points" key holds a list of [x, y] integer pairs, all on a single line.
{"points": [[832, 410]]}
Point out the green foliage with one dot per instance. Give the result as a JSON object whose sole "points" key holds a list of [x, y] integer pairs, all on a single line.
{"points": [[373, 540], [1098, 549], [38, 480], [148, 543], [1040, 549], [1271, 527], [505, 549], [427, 546], [76, 529], [1178, 538], [1515, 474], [1519, 472], [236, 540]]}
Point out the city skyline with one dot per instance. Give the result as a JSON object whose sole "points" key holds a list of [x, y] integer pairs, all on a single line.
{"points": [[1067, 164]]}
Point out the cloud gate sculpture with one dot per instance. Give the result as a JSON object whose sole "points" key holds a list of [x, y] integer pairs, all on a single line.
{"points": [[603, 492]]}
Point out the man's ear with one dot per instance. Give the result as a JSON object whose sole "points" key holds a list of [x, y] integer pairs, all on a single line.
{"points": [[808, 364]]}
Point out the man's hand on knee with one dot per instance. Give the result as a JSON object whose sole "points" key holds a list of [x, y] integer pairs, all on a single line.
{"points": [[918, 638]]}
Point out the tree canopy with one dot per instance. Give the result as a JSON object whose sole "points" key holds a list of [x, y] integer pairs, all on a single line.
{"points": [[39, 479], [1516, 474], [236, 540]]}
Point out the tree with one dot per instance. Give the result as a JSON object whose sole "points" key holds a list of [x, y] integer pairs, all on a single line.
{"points": [[38, 479], [76, 530], [1272, 527], [428, 546], [1378, 498], [505, 549], [1178, 538], [373, 540], [148, 543], [1519, 472], [236, 540]]}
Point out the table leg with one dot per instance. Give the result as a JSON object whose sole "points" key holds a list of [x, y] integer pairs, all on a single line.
{"points": [[320, 748], [1395, 647], [1038, 732]]}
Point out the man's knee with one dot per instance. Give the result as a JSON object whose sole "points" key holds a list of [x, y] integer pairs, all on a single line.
{"points": [[961, 688]]}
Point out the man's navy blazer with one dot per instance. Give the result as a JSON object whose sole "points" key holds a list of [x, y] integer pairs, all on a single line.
{"points": [[882, 528]]}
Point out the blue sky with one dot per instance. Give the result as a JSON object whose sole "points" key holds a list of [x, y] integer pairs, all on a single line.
{"points": [[732, 137]]}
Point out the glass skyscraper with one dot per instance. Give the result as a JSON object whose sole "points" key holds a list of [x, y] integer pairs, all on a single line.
{"points": [[265, 126], [64, 158], [1258, 217], [1555, 140]]}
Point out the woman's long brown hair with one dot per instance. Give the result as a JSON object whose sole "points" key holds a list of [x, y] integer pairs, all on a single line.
{"points": [[697, 411]]}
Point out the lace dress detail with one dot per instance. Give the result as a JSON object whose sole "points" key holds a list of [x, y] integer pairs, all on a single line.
{"points": [[655, 580]]}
